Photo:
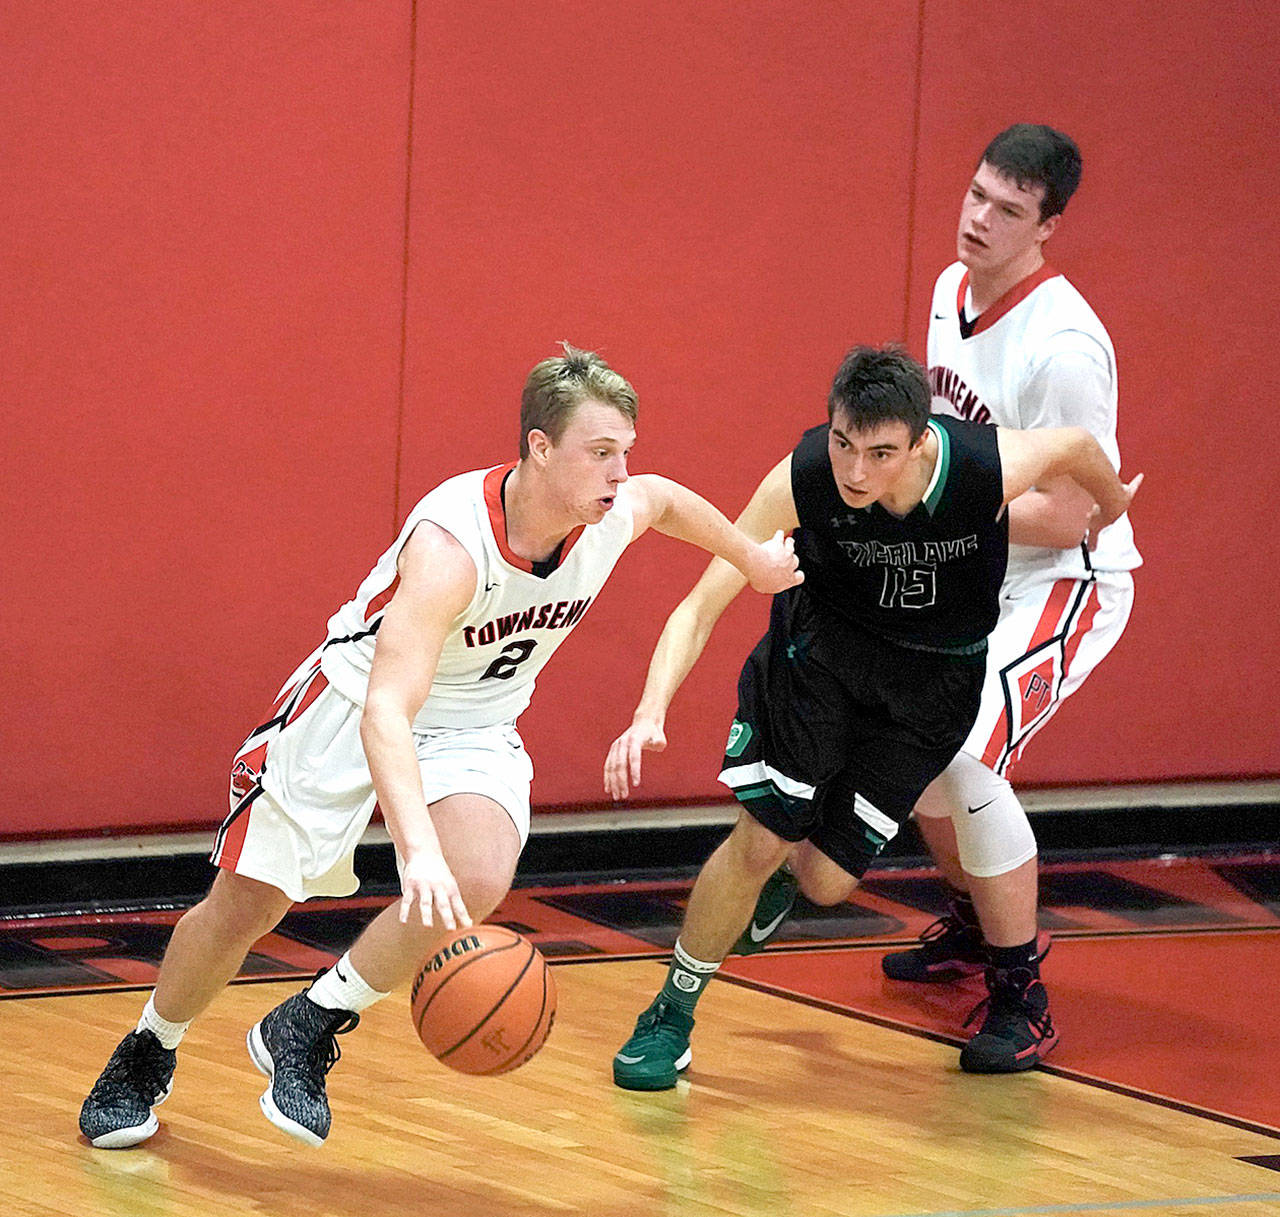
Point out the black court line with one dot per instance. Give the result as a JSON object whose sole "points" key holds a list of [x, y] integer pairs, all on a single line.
{"points": [[659, 953], [1071, 1075], [880, 944]]}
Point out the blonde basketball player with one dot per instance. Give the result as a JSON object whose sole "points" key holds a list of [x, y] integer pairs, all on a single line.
{"points": [[411, 704]]}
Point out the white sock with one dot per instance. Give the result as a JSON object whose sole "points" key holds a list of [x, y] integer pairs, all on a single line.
{"points": [[343, 988], [169, 1034]]}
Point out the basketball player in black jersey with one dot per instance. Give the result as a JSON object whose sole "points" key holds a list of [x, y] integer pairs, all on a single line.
{"points": [[868, 679]]}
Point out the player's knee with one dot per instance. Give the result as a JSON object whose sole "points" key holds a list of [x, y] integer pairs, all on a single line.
{"points": [[243, 908], [483, 888], [821, 880], [939, 799], [826, 889], [993, 834], [755, 849]]}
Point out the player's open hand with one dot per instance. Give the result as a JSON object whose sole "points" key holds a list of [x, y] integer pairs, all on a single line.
{"points": [[622, 765], [427, 881], [776, 566], [1100, 519]]}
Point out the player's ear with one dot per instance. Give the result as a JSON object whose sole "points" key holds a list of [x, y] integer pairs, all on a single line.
{"points": [[1048, 227], [539, 444]]}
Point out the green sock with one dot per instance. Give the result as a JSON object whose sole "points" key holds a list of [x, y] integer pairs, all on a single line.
{"points": [[686, 978]]}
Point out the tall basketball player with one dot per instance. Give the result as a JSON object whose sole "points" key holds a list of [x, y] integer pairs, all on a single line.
{"points": [[1012, 342]]}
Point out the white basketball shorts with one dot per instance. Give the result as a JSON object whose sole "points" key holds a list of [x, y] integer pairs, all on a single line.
{"points": [[1048, 639], [301, 794]]}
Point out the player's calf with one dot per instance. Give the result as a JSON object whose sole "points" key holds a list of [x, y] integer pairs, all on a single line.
{"points": [[775, 902]]}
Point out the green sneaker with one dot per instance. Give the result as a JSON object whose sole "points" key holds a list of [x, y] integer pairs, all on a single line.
{"points": [[776, 900], [658, 1050]]}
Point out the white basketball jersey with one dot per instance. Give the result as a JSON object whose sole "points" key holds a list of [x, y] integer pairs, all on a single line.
{"points": [[1003, 373], [515, 620]]}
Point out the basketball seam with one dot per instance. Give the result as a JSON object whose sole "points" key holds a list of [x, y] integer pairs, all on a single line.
{"points": [[496, 1005], [516, 1057], [426, 1005]]}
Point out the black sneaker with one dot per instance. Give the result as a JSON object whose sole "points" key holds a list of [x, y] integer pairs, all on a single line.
{"points": [[294, 1046], [138, 1077], [1017, 1032], [774, 903], [949, 949]]}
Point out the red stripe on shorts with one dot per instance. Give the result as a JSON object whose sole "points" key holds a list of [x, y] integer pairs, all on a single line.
{"points": [[1045, 629], [318, 685], [233, 842], [285, 694], [1083, 626]]}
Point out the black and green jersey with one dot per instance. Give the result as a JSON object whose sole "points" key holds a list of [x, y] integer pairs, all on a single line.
{"points": [[930, 580]]}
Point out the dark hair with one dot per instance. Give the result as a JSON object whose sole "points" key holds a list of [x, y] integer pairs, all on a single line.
{"points": [[879, 385], [1035, 155]]}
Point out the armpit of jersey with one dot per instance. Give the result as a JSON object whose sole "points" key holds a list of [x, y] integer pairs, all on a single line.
{"points": [[1071, 387]]}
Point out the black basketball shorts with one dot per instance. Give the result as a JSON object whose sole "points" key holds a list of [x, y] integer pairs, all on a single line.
{"points": [[839, 731]]}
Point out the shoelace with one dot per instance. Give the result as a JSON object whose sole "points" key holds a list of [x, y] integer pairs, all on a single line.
{"points": [[135, 1065], [324, 1053], [946, 924], [1010, 996], [653, 1019]]}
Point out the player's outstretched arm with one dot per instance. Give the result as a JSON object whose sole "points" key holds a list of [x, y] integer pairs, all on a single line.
{"points": [[1031, 457], [768, 561], [437, 581], [771, 511]]}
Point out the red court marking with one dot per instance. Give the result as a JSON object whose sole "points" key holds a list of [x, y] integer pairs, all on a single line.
{"points": [[1189, 1017]]}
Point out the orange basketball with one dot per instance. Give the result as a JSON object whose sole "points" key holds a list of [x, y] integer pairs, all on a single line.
{"points": [[485, 1000]]}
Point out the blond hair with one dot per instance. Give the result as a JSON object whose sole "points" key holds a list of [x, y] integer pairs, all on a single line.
{"points": [[558, 386]]}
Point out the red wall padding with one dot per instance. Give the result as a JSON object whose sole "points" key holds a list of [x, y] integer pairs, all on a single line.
{"points": [[232, 361]]}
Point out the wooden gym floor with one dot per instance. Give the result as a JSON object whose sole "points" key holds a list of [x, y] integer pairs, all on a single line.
{"points": [[818, 1088]]}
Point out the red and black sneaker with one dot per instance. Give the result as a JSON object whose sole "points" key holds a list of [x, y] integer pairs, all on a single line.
{"points": [[949, 949], [1017, 1032]]}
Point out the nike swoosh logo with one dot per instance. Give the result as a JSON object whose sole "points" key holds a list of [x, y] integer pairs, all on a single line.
{"points": [[628, 1060], [760, 933], [939, 316], [973, 811], [340, 975], [488, 587]]}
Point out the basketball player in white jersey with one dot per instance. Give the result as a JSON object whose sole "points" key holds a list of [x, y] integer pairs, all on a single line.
{"points": [[410, 705], [1012, 342]]}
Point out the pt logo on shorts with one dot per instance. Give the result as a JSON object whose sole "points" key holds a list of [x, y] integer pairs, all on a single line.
{"points": [[1036, 688], [739, 738]]}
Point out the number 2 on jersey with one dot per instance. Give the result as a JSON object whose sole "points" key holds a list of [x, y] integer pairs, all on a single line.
{"points": [[509, 659]]}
